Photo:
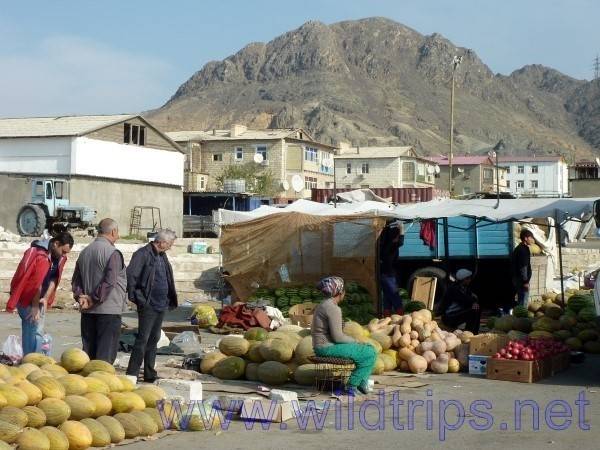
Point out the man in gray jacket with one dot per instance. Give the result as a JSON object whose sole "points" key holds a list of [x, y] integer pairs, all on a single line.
{"points": [[100, 287], [151, 286]]}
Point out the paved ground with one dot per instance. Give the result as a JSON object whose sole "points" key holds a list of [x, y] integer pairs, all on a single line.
{"points": [[563, 390]]}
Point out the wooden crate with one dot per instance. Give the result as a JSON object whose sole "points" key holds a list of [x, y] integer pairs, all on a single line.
{"points": [[539, 269], [560, 362], [519, 371], [487, 344]]}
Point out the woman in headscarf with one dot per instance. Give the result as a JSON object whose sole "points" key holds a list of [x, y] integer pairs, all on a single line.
{"points": [[330, 341]]}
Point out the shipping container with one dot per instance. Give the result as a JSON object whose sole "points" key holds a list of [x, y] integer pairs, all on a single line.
{"points": [[397, 195]]}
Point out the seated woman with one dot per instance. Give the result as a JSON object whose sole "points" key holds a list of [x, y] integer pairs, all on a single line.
{"points": [[460, 304], [330, 341]]}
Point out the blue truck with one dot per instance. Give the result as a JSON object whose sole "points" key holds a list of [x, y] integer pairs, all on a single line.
{"points": [[481, 246]]}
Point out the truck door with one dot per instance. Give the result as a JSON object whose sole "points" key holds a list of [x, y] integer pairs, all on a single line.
{"points": [[50, 200]]}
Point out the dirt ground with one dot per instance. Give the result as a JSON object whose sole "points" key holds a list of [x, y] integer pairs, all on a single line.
{"points": [[557, 400]]}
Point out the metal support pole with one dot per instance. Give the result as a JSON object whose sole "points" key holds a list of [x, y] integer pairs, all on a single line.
{"points": [[334, 186], [450, 156], [560, 258], [497, 183]]}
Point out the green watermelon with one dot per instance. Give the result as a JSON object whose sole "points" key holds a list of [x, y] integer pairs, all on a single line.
{"points": [[587, 314], [412, 306], [578, 302]]}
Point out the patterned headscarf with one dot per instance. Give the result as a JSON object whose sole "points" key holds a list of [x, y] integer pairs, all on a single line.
{"points": [[331, 286]]}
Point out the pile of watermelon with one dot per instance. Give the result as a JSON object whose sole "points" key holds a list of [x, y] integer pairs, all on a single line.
{"points": [[358, 304]]}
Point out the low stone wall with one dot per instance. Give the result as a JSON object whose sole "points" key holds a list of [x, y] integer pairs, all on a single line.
{"points": [[579, 258]]}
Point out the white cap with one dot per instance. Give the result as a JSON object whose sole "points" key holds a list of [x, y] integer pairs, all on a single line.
{"points": [[461, 274]]}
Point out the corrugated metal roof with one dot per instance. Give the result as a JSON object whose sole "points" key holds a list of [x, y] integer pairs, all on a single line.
{"points": [[57, 126], [540, 158], [461, 160], [225, 135], [377, 152]]}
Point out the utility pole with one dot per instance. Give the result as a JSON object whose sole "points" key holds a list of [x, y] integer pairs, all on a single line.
{"points": [[455, 63], [596, 67]]}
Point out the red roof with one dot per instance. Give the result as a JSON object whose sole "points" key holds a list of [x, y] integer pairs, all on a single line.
{"points": [[461, 160], [541, 158]]}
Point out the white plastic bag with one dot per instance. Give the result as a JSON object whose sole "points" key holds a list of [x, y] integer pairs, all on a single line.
{"points": [[12, 349]]}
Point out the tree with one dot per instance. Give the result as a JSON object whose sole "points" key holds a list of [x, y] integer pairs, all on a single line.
{"points": [[258, 179]]}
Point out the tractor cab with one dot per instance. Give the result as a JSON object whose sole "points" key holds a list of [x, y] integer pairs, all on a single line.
{"points": [[53, 194]]}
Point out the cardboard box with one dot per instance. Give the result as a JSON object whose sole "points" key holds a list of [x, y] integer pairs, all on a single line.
{"points": [[487, 344], [518, 370], [199, 247], [302, 314], [478, 364], [283, 411]]}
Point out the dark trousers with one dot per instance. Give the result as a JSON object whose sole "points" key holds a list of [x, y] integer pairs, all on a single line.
{"points": [[100, 334], [148, 335], [471, 317], [391, 299]]}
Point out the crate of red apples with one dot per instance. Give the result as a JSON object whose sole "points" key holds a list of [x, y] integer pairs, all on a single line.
{"points": [[528, 361]]}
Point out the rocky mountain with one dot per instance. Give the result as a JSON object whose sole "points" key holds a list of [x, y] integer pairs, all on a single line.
{"points": [[375, 81]]}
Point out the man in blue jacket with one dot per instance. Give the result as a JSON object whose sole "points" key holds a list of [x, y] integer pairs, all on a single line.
{"points": [[151, 286]]}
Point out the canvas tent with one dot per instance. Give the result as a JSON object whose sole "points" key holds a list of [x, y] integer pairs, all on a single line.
{"points": [[307, 240]]}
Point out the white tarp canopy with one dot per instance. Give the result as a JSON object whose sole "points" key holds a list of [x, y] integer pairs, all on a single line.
{"points": [[513, 209]]}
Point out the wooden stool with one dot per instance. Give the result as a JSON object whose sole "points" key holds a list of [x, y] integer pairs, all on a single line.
{"points": [[331, 371]]}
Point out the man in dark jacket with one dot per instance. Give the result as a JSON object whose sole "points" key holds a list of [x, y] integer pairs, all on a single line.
{"points": [[521, 267], [390, 242], [461, 305], [151, 286]]}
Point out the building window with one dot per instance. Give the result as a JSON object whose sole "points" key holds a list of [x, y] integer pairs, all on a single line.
{"points": [[508, 184], [534, 169], [507, 169], [59, 189], [348, 168], [310, 182], [262, 151], [520, 169], [520, 184], [364, 186], [365, 168], [239, 153], [408, 171], [488, 174], [348, 186], [201, 182], [218, 157], [534, 184], [134, 134], [311, 154], [39, 188]]}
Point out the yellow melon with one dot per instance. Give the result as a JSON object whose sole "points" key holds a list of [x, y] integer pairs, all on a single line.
{"points": [[150, 396], [114, 428], [37, 374], [102, 404], [36, 417], [8, 432], [50, 387], [78, 435], [74, 384], [130, 424], [34, 393], [38, 359], [28, 368], [128, 385], [57, 411], [13, 395], [113, 383], [13, 415], [55, 370], [58, 439], [155, 416], [100, 435], [81, 407], [97, 365], [147, 425], [32, 439], [96, 385], [74, 359]]}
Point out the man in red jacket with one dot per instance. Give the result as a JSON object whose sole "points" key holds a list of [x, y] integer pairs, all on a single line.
{"points": [[33, 287]]}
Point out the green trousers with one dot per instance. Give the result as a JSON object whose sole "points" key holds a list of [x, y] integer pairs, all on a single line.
{"points": [[363, 355]]}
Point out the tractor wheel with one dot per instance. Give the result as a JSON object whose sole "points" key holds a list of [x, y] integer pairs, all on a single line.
{"points": [[31, 221]]}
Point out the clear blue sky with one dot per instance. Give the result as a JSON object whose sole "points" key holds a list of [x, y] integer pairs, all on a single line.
{"points": [[108, 56]]}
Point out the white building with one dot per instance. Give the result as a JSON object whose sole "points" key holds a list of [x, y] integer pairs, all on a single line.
{"points": [[109, 163], [382, 167], [540, 176]]}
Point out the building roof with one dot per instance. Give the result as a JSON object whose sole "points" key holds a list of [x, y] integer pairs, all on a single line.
{"points": [[377, 152], [586, 163], [540, 158], [57, 126], [225, 135], [462, 160]]}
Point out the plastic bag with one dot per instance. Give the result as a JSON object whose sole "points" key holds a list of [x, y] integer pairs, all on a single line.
{"points": [[205, 316], [12, 349]]}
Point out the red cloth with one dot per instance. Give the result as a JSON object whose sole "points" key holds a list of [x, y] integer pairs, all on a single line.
{"points": [[241, 316], [29, 277], [428, 232]]}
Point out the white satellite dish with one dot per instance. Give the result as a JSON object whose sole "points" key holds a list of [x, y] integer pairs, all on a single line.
{"points": [[437, 169], [430, 170], [258, 158], [285, 185], [297, 183], [460, 170]]}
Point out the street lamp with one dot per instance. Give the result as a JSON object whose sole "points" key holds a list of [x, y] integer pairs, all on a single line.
{"points": [[494, 154], [455, 63]]}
